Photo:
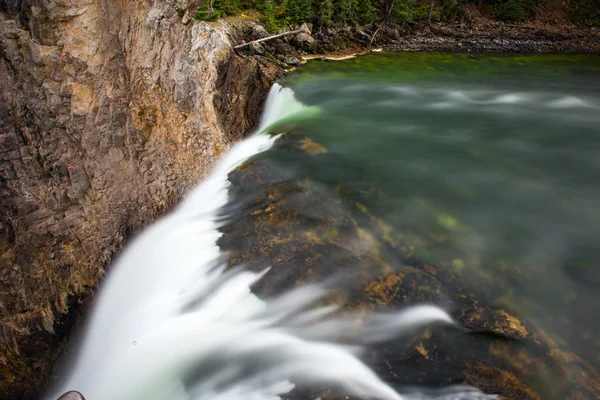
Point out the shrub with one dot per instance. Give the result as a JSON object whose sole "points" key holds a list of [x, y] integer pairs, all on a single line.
{"points": [[325, 11], [421, 13], [268, 19], [366, 14], [584, 11], [179, 8], [205, 13], [226, 7], [404, 9], [510, 11], [514, 10], [298, 11], [215, 9]]}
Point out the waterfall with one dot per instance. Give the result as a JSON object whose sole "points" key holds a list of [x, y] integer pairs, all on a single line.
{"points": [[171, 323]]}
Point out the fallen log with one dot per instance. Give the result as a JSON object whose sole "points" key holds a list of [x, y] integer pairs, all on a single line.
{"points": [[302, 29]]}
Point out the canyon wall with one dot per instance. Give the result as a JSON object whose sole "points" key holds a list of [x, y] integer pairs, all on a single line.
{"points": [[110, 111]]}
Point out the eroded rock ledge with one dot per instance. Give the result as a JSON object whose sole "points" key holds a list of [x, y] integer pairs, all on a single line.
{"points": [[109, 112]]}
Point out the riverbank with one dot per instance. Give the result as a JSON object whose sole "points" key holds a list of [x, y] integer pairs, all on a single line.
{"points": [[485, 36], [499, 38]]}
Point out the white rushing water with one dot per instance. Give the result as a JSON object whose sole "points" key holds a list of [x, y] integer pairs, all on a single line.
{"points": [[169, 323]]}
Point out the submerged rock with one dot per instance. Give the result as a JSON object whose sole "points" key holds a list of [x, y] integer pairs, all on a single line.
{"points": [[307, 234]]}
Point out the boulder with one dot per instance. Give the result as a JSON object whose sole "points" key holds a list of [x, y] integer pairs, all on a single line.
{"points": [[258, 32], [391, 33], [256, 48], [290, 60], [304, 40], [362, 35]]}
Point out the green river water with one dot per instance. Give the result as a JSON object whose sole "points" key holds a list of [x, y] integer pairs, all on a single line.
{"points": [[489, 164]]}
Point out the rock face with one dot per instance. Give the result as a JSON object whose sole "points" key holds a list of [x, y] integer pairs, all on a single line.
{"points": [[109, 112]]}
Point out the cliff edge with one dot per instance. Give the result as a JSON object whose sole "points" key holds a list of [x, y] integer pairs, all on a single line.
{"points": [[109, 112]]}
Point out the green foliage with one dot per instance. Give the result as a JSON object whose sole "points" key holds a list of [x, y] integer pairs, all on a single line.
{"points": [[421, 13], [345, 11], [354, 12], [278, 14], [215, 9], [510, 11], [227, 7], [458, 10], [298, 11], [324, 11], [269, 20], [404, 9], [205, 13], [585, 11], [366, 13], [449, 7], [179, 8]]}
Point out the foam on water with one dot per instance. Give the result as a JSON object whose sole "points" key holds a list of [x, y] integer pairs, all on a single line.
{"points": [[451, 98], [569, 102], [170, 323]]}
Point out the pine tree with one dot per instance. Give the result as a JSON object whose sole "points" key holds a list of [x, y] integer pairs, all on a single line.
{"points": [[269, 19], [307, 10], [325, 12], [404, 9], [346, 12], [227, 7], [365, 12], [298, 11]]}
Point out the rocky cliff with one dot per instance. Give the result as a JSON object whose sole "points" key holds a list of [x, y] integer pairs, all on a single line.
{"points": [[110, 110]]}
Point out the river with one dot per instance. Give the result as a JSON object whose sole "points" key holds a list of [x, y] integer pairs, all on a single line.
{"points": [[401, 226], [487, 164]]}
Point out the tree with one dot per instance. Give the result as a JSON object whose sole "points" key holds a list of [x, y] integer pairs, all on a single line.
{"points": [[269, 19], [346, 12], [299, 11], [227, 7], [365, 12], [325, 11], [403, 9]]}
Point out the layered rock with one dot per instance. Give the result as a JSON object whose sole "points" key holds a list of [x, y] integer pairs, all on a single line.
{"points": [[109, 112]]}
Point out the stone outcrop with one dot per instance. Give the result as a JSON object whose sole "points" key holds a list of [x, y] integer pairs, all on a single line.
{"points": [[109, 112]]}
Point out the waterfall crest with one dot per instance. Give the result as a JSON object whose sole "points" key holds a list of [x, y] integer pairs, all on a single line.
{"points": [[171, 323]]}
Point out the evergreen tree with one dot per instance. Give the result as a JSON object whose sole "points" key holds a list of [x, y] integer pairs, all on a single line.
{"points": [[227, 7], [299, 11], [325, 12], [365, 12], [346, 12], [404, 9], [307, 10], [278, 13], [268, 10]]}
